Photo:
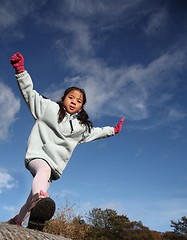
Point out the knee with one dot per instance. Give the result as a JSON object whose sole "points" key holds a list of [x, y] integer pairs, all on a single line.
{"points": [[47, 170], [44, 169]]}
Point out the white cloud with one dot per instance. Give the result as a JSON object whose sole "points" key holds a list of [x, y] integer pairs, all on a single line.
{"points": [[115, 91], [9, 15], [89, 7], [156, 22], [7, 19], [6, 181], [9, 107], [175, 114], [12, 14], [128, 90]]}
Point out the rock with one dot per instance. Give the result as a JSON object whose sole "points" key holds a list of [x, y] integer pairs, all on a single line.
{"points": [[13, 232]]}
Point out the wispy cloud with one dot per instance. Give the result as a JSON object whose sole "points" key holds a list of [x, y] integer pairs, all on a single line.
{"points": [[161, 213], [12, 15], [9, 107], [129, 90], [176, 113], [6, 181], [156, 22], [154, 214], [117, 91]]}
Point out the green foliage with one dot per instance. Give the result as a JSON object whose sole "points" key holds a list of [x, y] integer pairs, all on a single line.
{"points": [[180, 227], [106, 219], [108, 225]]}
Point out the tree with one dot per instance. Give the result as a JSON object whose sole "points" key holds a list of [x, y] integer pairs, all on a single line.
{"points": [[105, 218], [108, 225], [172, 236], [180, 227]]}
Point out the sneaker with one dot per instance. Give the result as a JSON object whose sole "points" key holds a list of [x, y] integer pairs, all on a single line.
{"points": [[37, 197], [43, 211]]}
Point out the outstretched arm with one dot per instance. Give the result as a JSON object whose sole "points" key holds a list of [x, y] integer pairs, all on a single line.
{"points": [[36, 103], [102, 132]]}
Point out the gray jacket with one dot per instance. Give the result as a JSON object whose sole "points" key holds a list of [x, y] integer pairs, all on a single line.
{"points": [[52, 141]]}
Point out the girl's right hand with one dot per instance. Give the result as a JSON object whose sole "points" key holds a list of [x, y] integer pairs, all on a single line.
{"points": [[17, 62]]}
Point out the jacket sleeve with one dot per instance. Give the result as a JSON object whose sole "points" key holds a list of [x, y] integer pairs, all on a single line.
{"points": [[97, 133], [36, 103]]}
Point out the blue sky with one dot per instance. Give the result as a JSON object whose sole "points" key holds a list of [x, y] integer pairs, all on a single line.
{"points": [[130, 57]]}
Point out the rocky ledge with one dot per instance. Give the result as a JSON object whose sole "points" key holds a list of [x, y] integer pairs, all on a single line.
{"points": [[12, 232]]}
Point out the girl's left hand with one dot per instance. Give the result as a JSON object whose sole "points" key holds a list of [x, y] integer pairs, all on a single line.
{"points": [[118, 127]]}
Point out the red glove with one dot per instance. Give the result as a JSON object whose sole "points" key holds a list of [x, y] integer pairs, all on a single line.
{"points": [[118, 127], [17, 62]]}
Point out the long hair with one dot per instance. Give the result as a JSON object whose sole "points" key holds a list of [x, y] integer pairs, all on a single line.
{"points": [[82, 115]]}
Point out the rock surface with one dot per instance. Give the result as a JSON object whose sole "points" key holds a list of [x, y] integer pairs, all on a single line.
{"points": [[13, 232]]}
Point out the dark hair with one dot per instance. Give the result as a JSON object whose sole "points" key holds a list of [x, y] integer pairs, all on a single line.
{"points": [[82, 115]]}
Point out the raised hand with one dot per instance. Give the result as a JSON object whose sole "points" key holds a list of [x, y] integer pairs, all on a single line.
{"points": [[17, 62]]}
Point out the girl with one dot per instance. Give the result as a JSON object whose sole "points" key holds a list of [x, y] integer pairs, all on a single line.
{"points": [[58, 129]]}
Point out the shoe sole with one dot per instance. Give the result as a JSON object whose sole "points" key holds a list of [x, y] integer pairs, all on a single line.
{"points": [[43, 211]]}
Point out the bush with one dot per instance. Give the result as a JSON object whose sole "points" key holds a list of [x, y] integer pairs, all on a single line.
{"points": [[76, 229]]}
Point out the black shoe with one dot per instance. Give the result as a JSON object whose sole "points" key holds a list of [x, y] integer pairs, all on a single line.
{"points": [[43, 211]]}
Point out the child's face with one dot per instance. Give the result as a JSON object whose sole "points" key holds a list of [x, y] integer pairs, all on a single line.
{"points": [[73, 101]]}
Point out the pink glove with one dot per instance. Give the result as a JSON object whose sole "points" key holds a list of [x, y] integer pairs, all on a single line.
{"points": [[118, 127], [17, 62]]}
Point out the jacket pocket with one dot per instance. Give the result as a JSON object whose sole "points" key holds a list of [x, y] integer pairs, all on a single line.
{"points": [[57, 154]]}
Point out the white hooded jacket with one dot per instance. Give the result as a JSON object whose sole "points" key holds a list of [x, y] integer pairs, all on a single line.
{"points": [[49, 140]]}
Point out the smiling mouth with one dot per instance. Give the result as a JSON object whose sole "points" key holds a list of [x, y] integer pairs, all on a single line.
{"points": [[71, 108]]}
